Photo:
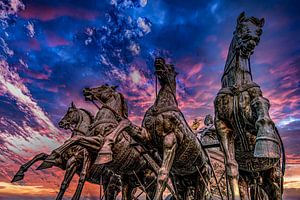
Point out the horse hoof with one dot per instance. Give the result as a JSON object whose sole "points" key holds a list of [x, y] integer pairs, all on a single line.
{"points": [[17, 177], [45, 165]]}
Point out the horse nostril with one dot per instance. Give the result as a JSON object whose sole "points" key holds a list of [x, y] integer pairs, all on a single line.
{"points": [[85, 89]]}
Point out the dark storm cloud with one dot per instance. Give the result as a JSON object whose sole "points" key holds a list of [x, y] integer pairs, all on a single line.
{"points": [[53, 49]]}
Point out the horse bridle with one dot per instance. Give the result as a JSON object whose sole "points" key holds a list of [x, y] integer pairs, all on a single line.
{"points": [[104, 105], [76, 129]]}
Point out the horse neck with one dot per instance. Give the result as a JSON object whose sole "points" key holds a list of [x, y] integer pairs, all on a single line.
{"points": [[237, 69], [106, 113], [167, 95], [84, 121]]}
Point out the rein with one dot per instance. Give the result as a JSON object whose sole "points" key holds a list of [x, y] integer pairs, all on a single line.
{"points": [[228, 69]]}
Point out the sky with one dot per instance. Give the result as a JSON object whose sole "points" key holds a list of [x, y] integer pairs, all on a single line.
{"points": [[51, 50]]}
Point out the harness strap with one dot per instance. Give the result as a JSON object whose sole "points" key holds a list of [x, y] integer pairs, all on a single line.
{"points": [[235, 91], [165, 109]]}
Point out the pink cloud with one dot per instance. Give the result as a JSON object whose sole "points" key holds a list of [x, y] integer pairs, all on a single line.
{"points": [[45, 13], [32, 44], [54, 40]]}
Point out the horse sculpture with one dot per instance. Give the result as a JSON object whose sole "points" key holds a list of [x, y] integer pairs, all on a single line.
{"points": [[115, 154], [249, 138], [165, 129], [75, 159]]}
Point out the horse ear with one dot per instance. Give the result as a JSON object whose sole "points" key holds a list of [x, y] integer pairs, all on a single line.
{"points": [[73, 105], [114, 87], [241, 17], [262, 22]]}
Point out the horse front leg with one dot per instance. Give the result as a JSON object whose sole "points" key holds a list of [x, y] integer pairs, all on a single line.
{"points": [[85, 167], [227, 141], [70, 171], [169, 148], [20, 174], [93, 143], [56, 153]]}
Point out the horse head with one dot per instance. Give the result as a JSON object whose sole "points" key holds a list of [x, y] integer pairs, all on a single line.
{"points": [[108, 97], [103, 93], [71, 118], [165, 73], [248, 32], [76, 118]]}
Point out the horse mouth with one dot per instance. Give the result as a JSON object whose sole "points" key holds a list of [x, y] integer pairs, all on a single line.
{"points": [[88, 97], [87, 94], [63, 125], [248, 47], [251, 44]]}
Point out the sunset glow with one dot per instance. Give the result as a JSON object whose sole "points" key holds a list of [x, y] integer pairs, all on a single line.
{"points": [[51, 50]]}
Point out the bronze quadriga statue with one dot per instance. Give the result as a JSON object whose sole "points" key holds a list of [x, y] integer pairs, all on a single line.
{"points": [[165, 130], [165, 153], [110, 152], [117, 152], [249, 138], [76, 159]]}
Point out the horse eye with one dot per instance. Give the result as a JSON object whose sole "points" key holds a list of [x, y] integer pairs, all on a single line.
{"points": [[259, 32]]}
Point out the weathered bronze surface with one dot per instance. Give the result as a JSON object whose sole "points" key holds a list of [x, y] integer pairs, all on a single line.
{"points": [[75, 159], [165, 153], [165, 130], [126, 160], [250, 140]]}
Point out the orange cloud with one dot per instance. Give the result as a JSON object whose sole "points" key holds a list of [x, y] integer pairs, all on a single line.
{"points": [[11, 189]]}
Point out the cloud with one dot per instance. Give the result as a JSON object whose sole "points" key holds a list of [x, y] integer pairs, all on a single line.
{"points": [[10, 189], [89, 43], [292, 176], [48, 13], [30, 28], [54, 40], [12, 85], [117, 40], [8, 9]]}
